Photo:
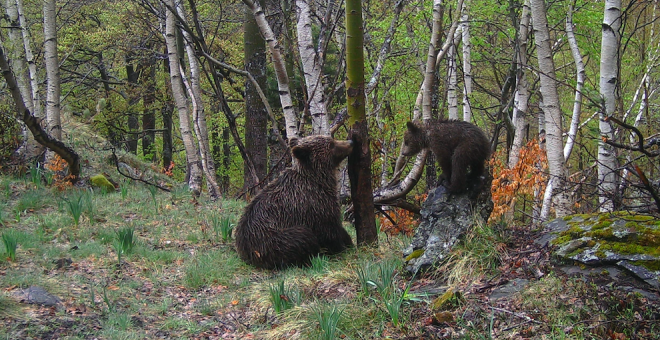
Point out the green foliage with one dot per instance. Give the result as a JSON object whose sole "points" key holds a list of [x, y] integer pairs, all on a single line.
{"points": [[153, 190], [283, 297], [319, 263], [222, 227], [328, 317], [75, 205], [10, 240]]}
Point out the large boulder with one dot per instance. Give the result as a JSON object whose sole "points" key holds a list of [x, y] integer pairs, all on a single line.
{"points": [[630, 241]]}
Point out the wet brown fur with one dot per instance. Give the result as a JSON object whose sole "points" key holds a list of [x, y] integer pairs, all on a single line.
{"points": [[457, 145], [297, 216]]}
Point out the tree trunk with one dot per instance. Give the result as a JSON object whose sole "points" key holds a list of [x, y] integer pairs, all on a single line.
{"points": [[132, 76], [51, 61], [16, 48], [521, 97], [149, 114], [553, 114], [291, 120], [579, 87], [467, 63], [256, 117], [311, 65], [199, 114], [178, 92], [166, 116], [609, 79], [359, 162], [452, 80], [32, 123]]}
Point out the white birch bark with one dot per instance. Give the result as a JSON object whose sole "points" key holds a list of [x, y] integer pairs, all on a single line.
{"points": [[521, 97], [51, 61], [553, 114], [181, 102], [291, 121], [452, 83], [29, 58], [312, 71], [579, 86], [467, 63], [429, 73], [198, 113], [17, 52], [608, 86]]}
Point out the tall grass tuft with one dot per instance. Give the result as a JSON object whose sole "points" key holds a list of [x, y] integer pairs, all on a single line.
{"points": [[319, 263], [222, 227], [34, 176], [10, 240], [124, 191], [328, 317], [153, 190], [75, 206], [124, 243], [283, 297]]}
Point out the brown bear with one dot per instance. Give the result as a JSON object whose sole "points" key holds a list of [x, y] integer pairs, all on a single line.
{"points": [[297, 215], [457, 145]]}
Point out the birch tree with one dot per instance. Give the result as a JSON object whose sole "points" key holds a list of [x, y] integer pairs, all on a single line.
{"points": [[18, 58], [311, 63], [179, 94], [32, 123], [579, 85], [52, 65], [467, 62], [609, 81], [291, 120], [198, 112], [521, 96], [551, 108]]}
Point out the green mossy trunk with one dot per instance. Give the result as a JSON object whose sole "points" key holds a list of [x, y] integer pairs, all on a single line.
{"points": [[359, 162]]}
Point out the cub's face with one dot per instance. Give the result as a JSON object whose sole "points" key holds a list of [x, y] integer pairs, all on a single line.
{"points": [[320, 151], [413, 140]]}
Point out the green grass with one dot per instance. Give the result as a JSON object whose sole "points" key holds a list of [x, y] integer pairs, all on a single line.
{"points": [[10, 242], [180, 276]]}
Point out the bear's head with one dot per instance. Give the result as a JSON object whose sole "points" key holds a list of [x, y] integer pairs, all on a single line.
{"points": [[414, 140], [319, 152]]}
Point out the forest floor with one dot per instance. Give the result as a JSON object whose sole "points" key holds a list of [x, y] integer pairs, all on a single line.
{"points": [[181, 279], [139, 263]]}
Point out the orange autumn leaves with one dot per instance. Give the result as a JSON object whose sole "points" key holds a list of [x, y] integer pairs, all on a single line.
{"points": [[527, 178]]}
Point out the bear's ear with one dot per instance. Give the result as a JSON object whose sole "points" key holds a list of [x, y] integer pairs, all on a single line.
{"points": [[300, 152], [293, 141], [412, 127]]}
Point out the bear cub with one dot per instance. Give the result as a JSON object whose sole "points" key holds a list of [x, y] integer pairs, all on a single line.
{"points": [[297, 215], [457, 146]]}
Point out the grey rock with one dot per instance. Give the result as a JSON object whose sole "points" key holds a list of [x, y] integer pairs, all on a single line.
{"points": [[508, 289], [445, 218], [39, 296], [594, 239]]}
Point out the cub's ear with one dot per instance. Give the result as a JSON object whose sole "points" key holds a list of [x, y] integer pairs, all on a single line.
{"points": [[300, 152], [412, 127], [293, 141]]}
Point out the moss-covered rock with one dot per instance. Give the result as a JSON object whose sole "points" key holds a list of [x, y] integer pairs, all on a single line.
{"points": [[102, 182], [630, 240]]}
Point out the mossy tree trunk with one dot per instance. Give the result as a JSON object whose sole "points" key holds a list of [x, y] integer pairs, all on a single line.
{"points": [[359, 162]]}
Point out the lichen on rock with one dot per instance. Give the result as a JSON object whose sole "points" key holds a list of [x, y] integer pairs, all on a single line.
{"points": [[631, 241]]}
